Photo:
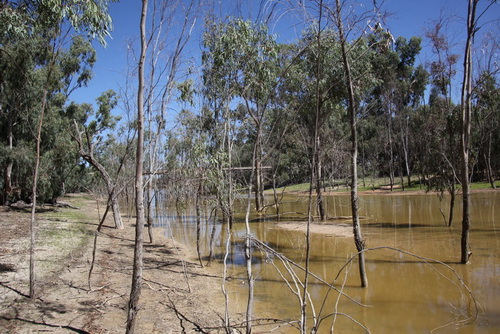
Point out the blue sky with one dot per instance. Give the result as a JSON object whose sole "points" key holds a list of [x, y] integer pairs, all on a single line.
{"points": [[407, 18]]}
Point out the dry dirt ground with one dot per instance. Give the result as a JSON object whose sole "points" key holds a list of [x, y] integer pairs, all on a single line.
{"points": [[177, 295]]}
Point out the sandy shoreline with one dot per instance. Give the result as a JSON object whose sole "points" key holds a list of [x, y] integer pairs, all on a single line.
{"points": [[176, 292], [331, 228]]}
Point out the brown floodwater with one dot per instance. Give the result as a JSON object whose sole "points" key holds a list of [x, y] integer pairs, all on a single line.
{"points": [[408, 292]]}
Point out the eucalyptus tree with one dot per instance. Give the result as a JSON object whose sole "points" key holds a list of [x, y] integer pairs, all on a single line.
{"points": [[319, 94], [242, 59], [169, 29], [219, 70], [443, 162], [400, 89], [466, 108], [358, 83], [92, 142], [135, 290], [485, 139], [257, 51], [23, 61], [466, 118], [289, 117], [47, 24], [412, 85], [192, 158]]}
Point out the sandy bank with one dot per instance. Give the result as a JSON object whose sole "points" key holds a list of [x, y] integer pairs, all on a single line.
{"points": [[176, 292], [331, 228]]}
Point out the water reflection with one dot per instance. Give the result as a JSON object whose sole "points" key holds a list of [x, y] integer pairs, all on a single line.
{"points": [[406, 294]]}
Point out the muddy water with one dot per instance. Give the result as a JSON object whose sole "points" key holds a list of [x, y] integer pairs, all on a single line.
{"points": [[406, 294]]}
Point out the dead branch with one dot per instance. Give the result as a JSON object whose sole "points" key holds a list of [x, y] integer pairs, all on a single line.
{"points": [[183, 318], [96, 234], [349, 317]]}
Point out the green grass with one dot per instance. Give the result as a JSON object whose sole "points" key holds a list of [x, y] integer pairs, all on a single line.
{"points": [[376, 183], [293, 187], [67, 214], [62, 234], [483, 185]]}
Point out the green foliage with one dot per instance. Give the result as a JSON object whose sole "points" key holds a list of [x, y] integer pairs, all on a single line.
{"points": [[240, 58], [186, 90], [104, 120], [485, 125], [31, 66], [90, 16]]}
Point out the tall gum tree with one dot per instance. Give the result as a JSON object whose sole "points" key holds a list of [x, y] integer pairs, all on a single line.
{"points": [[44, 22], [219, 70], [352, 105], [442, 71], [486, 121], [170, 29], [466, 115], [135, 291], [247, 56]]}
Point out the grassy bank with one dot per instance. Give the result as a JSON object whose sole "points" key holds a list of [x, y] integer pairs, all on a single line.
{"points": [[373, 184]]}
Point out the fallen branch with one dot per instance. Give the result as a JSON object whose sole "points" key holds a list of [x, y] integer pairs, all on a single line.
{"points": [[182, 318], [65, 205]]}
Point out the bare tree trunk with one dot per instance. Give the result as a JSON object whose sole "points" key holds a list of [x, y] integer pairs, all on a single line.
{"points": [[405, 141], [135, 292], [248, 242], [314, 169], [391, 150], [115, 207], [7, 184], [363, 165], [212, 238], [230, 193], [358, 238], [248, 259], [198, 222], [277, 201], [401, 175], [452, 186], [149, 219], [319, 178], [489, 170], [33, 202], [453, 193], [259, 198], [224, 275], [466, 116]]}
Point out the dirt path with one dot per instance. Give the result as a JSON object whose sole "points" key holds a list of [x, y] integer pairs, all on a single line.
{"points": [[177, 295]]}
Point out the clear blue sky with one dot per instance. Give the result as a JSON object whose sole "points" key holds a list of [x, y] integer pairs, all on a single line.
{"points": [[408, 18]]}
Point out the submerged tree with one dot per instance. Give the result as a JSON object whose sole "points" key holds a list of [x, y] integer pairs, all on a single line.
{"points": [[241, 63], [353, 96], [466, 116], [170, 29], [443, 161]]}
